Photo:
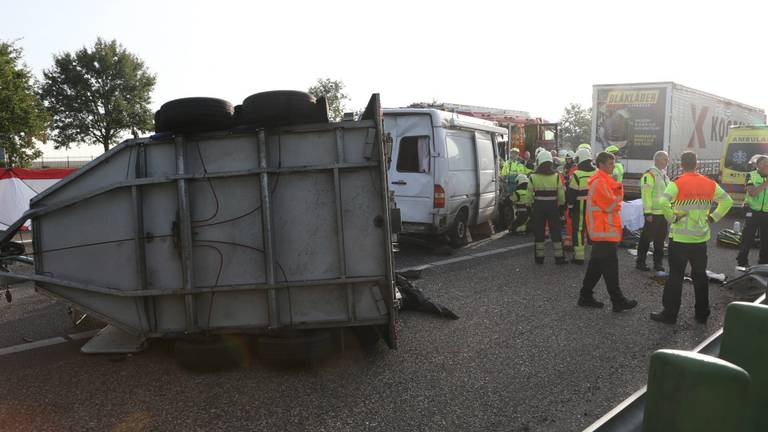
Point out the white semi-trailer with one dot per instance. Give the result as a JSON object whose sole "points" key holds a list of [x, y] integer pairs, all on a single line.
{"points": [[642, 118]]}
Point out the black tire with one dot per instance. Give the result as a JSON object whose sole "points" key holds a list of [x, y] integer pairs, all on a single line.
{"points": [[367, 336], [505, 216], [210, 354], [282, 108], [457, 235], [195, 114], [309, 346]]}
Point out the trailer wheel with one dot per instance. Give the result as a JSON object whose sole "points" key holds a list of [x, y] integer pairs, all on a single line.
{"points": [[195, 114], [210, 354], [458, 232], [308, 346], [282, 108], [367, 336]]}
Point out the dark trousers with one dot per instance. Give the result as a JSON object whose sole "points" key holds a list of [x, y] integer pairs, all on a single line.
{"points": [[656, 231], [680, 254], [754, 220], [522, 216], [603, 262], [543, 214]]}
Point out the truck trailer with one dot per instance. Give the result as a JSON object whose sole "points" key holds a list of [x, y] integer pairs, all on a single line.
{"points": [[643, 118]]}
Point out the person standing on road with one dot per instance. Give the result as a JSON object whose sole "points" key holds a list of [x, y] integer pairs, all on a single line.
{"points": [[756, 214], [576, 197], [652, 186], [687, 202], [546, 188], [618, 170], [604, 228]]}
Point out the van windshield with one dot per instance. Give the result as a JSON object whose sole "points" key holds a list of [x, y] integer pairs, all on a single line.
{"points": [[738, 155]]}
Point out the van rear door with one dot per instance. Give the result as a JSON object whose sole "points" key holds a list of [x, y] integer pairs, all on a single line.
{"points": [[411, 174], [486, 175]]}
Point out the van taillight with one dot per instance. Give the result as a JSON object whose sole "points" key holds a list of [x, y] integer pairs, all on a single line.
{"points": [[439, 196]]}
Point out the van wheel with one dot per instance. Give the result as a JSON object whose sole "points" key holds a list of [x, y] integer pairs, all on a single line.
{"points": [[458, 233]]}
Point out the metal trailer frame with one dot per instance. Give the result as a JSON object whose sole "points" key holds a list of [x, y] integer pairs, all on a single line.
{"points": [[373, 292]]}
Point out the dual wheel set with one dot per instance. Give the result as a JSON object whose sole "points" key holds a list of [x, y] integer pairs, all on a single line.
{"points": [[265, 109], [208, 353]]}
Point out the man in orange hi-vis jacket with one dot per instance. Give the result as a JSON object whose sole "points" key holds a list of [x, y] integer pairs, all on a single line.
{"points": [[604, 230]]}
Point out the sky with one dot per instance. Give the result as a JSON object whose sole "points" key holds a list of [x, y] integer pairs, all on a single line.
{"points": [[535, 56]]}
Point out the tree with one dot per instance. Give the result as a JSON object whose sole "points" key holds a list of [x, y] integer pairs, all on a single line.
{"points": [[575, 125], [97, 95], [334, 93], [23, 118]]}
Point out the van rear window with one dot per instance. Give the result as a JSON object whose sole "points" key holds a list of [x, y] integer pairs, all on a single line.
{"points": [[413, 154], [738, 155]]}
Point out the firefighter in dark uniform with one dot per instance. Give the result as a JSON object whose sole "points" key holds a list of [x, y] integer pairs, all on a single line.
{"points": [[546, 189], [576, 196]]}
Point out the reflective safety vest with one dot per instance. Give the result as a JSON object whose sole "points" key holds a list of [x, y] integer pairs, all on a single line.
{"points": [[580, 186], [521, 198], [547, 188], [603, 208], [513, 167], [758, 202], [618, 172], [652, 186], [687, 202]]}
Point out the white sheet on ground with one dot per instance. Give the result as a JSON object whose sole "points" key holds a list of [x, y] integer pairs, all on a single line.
{"points": [[632, 214]]}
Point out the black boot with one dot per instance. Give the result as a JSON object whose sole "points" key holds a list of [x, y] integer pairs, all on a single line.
{"points": [[589, 302], [642, 266], [623, 304], [663, 317]]}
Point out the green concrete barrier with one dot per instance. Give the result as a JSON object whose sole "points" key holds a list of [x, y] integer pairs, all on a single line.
{"points": [[745, 344], [690, 392]]}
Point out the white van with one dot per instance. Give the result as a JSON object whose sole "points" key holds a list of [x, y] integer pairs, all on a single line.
{"points": [[443, 170]]}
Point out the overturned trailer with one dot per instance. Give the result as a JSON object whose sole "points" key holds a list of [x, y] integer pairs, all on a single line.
{"points": [[253, 229]]}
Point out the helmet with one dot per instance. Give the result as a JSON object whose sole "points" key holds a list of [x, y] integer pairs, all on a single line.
{"points": [[514, 150], [753, 159], [584, 145], [526, 155], [582, 154], [568, 154], [612, 149], [522, 179], [542, 157], [562, 153], [537, 151]]}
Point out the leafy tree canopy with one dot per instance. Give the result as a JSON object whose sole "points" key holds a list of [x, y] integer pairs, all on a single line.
{"points": [[23, 118], [333, 91], [575, 125], [97, 94]]}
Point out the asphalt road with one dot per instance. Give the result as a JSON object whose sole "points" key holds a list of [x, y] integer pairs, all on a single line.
{"points": [[522, 357]]}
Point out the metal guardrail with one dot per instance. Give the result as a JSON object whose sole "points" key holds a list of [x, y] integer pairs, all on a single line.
{"points": [[628, 415], [61, 162]]}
